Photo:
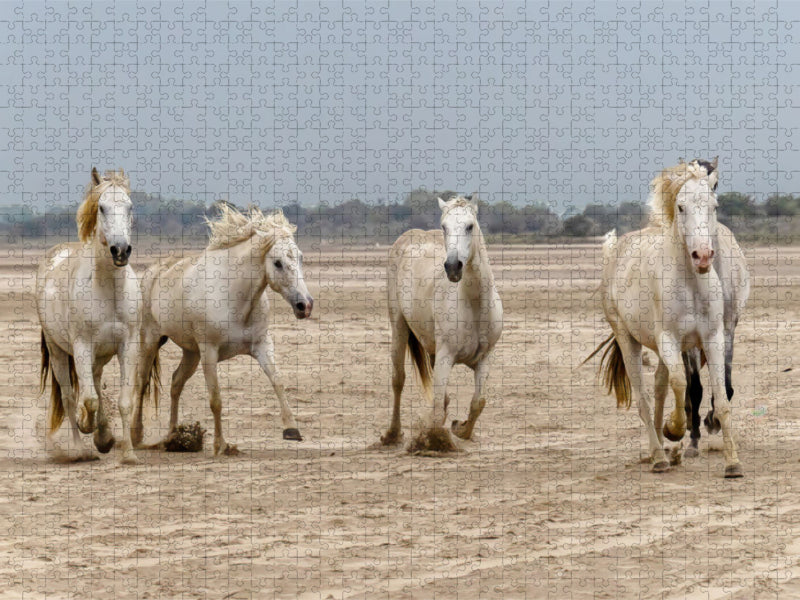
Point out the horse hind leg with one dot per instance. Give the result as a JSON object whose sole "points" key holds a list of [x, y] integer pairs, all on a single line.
{"points": [[182, 374], [400, 335], [711, 422]]}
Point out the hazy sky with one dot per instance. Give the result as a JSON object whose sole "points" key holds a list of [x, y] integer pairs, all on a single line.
{"points": [[563, 103]]}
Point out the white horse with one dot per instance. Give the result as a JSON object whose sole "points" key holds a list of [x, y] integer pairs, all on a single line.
{"points": [[214, 307], [659, 290], [443, 306], [88, 301], [731, 267]]}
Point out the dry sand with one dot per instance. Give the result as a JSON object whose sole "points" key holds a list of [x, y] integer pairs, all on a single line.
{"points": [[550, 500]]}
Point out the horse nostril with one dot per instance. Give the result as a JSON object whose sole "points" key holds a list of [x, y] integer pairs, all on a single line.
{"points": [[460, 265], [695, 255], [114, 251], [301, 306], [128, 251], [711, 254]]}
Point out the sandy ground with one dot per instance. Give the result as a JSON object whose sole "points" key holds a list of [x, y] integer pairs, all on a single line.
{"points": [[551, 499]]}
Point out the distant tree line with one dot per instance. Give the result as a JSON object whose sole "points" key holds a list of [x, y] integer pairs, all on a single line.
{"points": [[355, 221]]}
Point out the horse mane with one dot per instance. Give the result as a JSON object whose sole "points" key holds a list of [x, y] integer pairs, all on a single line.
{"points": [[664, 191], [87, 211], [233, 227]]}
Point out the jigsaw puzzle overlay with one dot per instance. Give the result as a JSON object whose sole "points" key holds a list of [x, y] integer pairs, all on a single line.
{"points": [[298, 297]]}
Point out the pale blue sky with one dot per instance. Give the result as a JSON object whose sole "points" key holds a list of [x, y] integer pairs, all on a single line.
{"points": [[563, 103]]}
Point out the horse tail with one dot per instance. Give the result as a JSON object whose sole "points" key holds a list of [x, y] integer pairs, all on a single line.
{"points": [[422, 361], [612, 367], [614, 375], [152, 379]]}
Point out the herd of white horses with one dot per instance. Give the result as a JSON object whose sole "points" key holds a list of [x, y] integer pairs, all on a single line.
{"points": [[676, 287]]}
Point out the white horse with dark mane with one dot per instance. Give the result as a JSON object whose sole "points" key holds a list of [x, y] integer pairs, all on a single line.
{"points": [[88, 302], [214, 306], [659, 290], [444, 307]]}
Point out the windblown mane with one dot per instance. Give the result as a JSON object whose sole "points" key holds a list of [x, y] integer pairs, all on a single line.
{"points": [[232, 227], [664, 191], [457, 201], [87, 211]]}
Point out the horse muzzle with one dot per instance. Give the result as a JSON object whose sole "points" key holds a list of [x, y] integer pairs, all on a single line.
{"points": [[120, 253], [454, 269], [302, 307], [702, 260]]}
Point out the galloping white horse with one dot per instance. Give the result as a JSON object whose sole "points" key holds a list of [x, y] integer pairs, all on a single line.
{"points": [[443, 306], [88, 301], [214, 307], [731, 267], [659, 290]]}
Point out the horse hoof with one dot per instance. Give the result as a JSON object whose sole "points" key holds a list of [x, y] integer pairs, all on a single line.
{"points": [[230, 450], [661, 466], [734, 471], [129, 459], [691, 452], [292, 433], [457, 428], [105, 447], [86, 422], [672, 437], [392, 438]]}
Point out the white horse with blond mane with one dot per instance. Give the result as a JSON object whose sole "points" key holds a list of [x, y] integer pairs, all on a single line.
{"points": [[214, 306], [444, 307], [659, 290], [88, 301], [731, 268]]}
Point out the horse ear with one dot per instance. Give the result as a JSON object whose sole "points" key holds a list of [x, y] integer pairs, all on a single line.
{"points": [[95, 176], [442, 203], [474, 206], [714, 162], [713, 179]]}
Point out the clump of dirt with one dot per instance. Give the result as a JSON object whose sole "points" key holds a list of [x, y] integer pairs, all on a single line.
{"points": [[432, 442], [186, 438]]}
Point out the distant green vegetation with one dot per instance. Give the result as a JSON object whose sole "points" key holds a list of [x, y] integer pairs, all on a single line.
{"points": [[353, 222]]}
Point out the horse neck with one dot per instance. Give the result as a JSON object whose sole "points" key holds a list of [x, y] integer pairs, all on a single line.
{"points": [[478, 268], [247, 260]]}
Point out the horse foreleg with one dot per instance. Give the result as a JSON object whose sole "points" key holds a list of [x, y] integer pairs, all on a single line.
{"points": [[400, 332], [59, 362], [264, 353], [88, 401], [103, 436], [669, 350], [715, 353], [712, 423], [148, 350], [463, 429], [208, 357], [441, 373], [127, 357]]}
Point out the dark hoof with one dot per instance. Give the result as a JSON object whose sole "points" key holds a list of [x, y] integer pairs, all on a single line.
{"points": [[672, 437], [712, 423], [231, 450], [661, 467], [391, 438], [733, 471], [292, 433], [105, 448], [691, 452], [457, 427]]}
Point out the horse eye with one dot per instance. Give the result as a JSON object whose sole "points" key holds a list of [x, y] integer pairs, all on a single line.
{"points": [[102, 210], [469, 228], [680, 208], [278, 264]]}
